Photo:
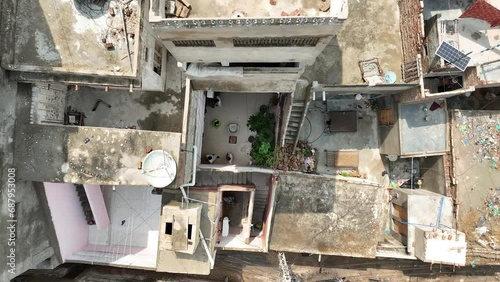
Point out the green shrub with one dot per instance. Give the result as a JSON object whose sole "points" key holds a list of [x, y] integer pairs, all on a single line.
{"points": [[262, 152]]}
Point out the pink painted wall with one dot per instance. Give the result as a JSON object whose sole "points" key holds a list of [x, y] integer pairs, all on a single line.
{"points": [[69, 221], [96, 201]]}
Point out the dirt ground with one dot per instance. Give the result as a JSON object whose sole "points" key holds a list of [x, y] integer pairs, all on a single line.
{"points": [[476, 152], [370, 31]]}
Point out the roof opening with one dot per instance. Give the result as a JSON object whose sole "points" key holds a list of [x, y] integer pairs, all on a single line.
{"points": [[190, 231], [168, 228]]}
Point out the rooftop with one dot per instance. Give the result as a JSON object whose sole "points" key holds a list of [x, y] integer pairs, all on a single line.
{"points": [[59, 153], [224, 9], [67, 36], [329, 216]]}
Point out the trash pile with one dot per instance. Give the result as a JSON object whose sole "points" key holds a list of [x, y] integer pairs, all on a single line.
{"points": [[301, 159], [483, 133], [482, 235]]}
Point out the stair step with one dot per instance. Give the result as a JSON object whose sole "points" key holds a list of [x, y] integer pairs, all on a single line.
{"points": [[296, 114], [294, 124], [298, 104]]}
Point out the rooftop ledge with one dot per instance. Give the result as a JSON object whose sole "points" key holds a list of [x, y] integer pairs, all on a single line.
{"points": [[246, 12]]}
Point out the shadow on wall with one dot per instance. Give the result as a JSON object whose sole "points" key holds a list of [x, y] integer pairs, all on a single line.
{"points": [[327, 69]]}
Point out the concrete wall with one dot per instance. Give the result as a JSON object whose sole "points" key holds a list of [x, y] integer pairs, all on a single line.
{"points": [[248, 86], [226, 52], [432, 171], [446, 246], [34, 241], [96, 201], [389, 136], [151, 80], [422, 209], [198, 107], [68, 218]]}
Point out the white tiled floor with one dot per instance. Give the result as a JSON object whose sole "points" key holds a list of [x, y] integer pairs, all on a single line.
{"points": [[140, 211], [236, 108]]}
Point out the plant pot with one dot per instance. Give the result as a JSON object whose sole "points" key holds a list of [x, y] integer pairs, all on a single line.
{"points": [[216, 123]]}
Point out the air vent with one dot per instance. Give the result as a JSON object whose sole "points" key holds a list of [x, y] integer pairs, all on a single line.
{"points": [[194, 43], [276, 42]]}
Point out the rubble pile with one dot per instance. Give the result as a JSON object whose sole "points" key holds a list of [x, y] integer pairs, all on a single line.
{"points": [[302, 159], [483, 135]]}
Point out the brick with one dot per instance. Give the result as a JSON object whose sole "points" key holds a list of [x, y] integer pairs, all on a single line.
{"points": [[325, 6], [148, 150], [185, 12], [111, 11], [272, 2], [284, 14], [178, 8], [109, 45], [295, 13]]}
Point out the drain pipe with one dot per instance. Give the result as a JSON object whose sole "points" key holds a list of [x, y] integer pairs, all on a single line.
{"points": [[187, 199], [193, 179]]}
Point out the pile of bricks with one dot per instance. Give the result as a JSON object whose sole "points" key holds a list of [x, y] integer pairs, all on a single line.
{"points": [[411, 28]]}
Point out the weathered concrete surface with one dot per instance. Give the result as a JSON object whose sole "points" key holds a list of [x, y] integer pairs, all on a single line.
{"points": [[155, 111], [196, 263], [422, 131], [67, 37], [370, 31], [59, 154], [33, 243], [365, 139], [327, 216], [476, 175]]}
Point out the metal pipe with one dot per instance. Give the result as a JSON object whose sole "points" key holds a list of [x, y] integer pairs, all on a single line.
{"points": [[207, 250], [411, 174]]}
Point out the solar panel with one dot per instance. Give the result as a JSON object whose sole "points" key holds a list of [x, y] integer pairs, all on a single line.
{"points": [[453, 56]]}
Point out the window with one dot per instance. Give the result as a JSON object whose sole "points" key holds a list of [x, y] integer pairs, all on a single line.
{"points": [[190, 232], [194, 43], [168, 228], [276, 42], [146, 54], [157, 59]]}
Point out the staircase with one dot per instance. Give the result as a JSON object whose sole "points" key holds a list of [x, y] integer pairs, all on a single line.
{"points": [[216, 178], [259, 204], [298, 106], [84, 201], [294, 122]]}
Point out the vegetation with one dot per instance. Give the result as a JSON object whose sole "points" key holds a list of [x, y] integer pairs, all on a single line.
{"points": [[262, 152]]}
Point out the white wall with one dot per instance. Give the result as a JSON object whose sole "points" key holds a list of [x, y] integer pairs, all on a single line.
{"points": [[226, 52], [199, 106], [96, 201], [68, 218], [151, 81]]}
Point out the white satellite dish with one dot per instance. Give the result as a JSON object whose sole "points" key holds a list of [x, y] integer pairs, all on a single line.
{"points": [[159, 168]]}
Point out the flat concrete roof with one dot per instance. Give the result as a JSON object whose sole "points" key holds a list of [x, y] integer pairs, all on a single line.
{"points": [[322, 215], [55, 153], [422, 130], [66, 36], [216, 9], [197, 263]]}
